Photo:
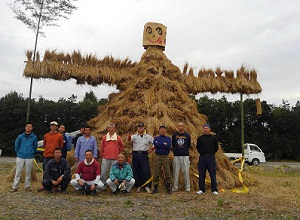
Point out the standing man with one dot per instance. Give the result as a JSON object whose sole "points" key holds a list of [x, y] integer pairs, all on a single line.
{"points": [[87, 175], [84, 143], [120, 176], [181, 142], [78, 135], [57, 173], [51, 140], [25, 147], [207, 146], [162, 144], [141, 147], [64, 150], [111, 146]]}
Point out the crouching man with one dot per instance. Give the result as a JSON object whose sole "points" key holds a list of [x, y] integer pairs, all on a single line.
{"points": [[87, 176], [120, 176], [57, 173]]}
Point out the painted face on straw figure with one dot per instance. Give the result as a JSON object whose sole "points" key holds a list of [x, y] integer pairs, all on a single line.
{"points": [[154, 35]]}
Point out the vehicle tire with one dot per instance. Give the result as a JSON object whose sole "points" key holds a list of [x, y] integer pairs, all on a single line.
{"points": [[255, 162], [38, 157]]}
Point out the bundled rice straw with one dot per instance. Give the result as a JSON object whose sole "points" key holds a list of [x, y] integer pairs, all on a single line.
{"points": [[258, 107], [22, 179]]}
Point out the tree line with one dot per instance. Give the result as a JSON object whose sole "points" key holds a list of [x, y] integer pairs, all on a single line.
{"points": [[276, 131], [70, 112]]}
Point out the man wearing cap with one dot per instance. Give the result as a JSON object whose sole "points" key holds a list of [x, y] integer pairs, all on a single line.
{"points": [[162, 144], [141, 147], [52, 140], [207, 146], [111, 146], [181, 143]]}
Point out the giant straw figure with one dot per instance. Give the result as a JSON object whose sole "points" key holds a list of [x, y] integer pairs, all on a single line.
{"points": [[153, 91]]}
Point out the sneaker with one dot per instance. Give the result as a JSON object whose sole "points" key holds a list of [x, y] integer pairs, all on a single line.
{"points": [[147, 189], [14, 190], [41, 189], [200, 192], [215, 193], [124, 191], [28, 189], [55, 189]]}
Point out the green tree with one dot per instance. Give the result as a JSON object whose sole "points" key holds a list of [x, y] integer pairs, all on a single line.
{"points": [[12, 121], [36, 14]]}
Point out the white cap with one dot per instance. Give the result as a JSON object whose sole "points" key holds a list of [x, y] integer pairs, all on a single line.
{"points": [[53, 123]]}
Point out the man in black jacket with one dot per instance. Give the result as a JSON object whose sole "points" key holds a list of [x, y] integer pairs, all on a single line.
{"points": [[207, 146], [57, 173]]}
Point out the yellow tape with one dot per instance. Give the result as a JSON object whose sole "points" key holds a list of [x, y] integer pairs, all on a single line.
{"points": [[38, 165], [245, 189], [206, 180]]}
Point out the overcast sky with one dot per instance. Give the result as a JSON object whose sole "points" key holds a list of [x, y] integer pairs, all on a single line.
{"points": [[261, 34]]}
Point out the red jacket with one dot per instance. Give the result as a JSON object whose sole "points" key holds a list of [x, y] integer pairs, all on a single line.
{"points": [[111, 149]]}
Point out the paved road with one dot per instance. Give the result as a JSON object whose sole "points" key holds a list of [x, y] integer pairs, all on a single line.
{"points": [[281, 164], [8, 159]]}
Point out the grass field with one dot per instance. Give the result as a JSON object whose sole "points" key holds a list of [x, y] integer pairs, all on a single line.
{"points": [[276, 197]]}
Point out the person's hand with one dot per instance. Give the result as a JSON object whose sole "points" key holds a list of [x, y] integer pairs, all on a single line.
{"points": [[116, 181], [80, 182], [76, 159], [59, 179], [124, 181], [165, 143], [54, 183], [93, 186], [129, 137]]}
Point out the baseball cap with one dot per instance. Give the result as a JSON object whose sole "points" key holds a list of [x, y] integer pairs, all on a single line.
{"points": [[162, 126], [141, 124], [53, 123]]}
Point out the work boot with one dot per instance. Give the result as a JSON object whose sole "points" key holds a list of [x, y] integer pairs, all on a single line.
{"points": [[169, 190], [155, 190]]}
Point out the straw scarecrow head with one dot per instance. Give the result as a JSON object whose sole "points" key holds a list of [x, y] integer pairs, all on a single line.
{"points": [[154, 35]]}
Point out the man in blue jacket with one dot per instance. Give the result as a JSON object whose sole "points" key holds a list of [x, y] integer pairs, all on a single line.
{"points": [[25, 147], [162, 144]]}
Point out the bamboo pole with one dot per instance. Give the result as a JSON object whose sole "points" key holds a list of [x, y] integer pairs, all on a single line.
{"points": [[242, 128]]}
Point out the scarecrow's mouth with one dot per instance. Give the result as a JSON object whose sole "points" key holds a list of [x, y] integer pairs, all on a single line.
{"points": [[157, 41]]}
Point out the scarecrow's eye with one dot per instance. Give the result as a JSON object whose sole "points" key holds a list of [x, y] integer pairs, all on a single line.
{"points": [[149, 30], [159, 31]]}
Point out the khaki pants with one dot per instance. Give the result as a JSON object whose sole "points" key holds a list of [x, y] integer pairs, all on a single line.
{"points": [[162, 161]]}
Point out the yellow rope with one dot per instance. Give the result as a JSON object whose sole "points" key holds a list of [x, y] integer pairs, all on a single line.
{"points": [[38, 166]]}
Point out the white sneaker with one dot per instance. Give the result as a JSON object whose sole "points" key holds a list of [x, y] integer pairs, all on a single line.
{"points": [[147, 189], [215, 193], [200, 192]]}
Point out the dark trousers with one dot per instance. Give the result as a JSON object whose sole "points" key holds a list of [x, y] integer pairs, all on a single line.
{"points": [[63, 184], [141, 168], [207, 163], [45, 161]]}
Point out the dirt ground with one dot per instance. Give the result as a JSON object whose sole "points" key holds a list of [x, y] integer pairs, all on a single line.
{"points": [[276, 197]]}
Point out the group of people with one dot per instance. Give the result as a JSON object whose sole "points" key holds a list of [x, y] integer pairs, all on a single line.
{"points": [[114, 171]]}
